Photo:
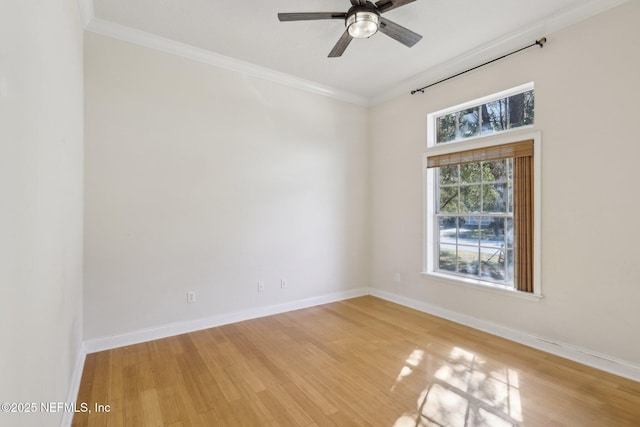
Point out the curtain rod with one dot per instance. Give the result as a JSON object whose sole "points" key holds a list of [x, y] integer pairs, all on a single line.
{"points": [[539, 42]]}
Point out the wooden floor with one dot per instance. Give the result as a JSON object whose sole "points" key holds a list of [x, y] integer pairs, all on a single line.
{"points": [[361, 362]]}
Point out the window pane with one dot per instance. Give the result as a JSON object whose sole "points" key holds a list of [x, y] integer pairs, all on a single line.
{"points": [[447, 260], [494, 116], [492, 264], [448, 200], [470, 198], [492, 232], [469, 232], [529, 106], [494, 198], [495, 171], [448, 174], [521, 108], [448, 232], [446, 128], [468, 260], [468, 123], [509, 235], [470, 173]]}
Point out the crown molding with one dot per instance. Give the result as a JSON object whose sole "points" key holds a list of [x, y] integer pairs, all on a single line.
{"points": [[152, 41]]}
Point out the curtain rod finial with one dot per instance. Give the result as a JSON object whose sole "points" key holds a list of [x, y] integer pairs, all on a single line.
{"points": [[541, 42]]}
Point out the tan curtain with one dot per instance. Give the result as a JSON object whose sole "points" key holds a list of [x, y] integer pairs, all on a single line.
{"points": [[523, 222], [522, 155]]}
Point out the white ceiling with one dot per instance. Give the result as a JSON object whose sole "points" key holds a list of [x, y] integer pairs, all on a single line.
{"points": [[457, 34]]}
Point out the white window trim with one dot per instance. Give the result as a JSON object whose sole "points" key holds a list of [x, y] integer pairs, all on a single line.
{"points": [[514, 135]]}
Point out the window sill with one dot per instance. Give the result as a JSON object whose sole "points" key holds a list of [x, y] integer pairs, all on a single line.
{"points": [[484, 286]]}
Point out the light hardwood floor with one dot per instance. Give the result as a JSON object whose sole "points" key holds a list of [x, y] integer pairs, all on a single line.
{"points": [[360, 362]]}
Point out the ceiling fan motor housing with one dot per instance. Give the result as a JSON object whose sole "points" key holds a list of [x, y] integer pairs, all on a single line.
{"points": [[362, 21]]}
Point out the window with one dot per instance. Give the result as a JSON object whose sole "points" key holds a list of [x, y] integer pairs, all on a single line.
{"points": [[481, 194], [496, 115]]}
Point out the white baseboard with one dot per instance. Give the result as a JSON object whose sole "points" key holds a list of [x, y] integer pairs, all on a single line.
{"points": [[171, 329], [587, 357], [74, 388], [581, 355]]}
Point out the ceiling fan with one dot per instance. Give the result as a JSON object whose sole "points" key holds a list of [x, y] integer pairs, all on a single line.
{"points": [[362, 20]]}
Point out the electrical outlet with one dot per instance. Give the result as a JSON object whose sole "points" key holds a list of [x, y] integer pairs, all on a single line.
{"points": [[397, 278], [283, 283], [260, 286], [191, 297]]}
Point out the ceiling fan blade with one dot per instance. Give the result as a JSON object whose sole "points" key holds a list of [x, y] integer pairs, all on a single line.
{"points": [[310, 16], [358, 2], [387, 5], [342, 44], [398, 32]]}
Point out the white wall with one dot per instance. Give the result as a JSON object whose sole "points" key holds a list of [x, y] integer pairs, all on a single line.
{"points": [[41, 158], [587, 100], [203, 179]]}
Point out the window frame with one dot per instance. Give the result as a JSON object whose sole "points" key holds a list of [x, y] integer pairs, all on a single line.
{"points": [[430, 221]]}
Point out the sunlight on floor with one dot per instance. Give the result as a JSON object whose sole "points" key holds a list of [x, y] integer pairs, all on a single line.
{"points": [[412, 361], [464, 392]]}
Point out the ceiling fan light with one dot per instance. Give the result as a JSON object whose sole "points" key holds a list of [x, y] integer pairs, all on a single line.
{"points": [[362, 24]]}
